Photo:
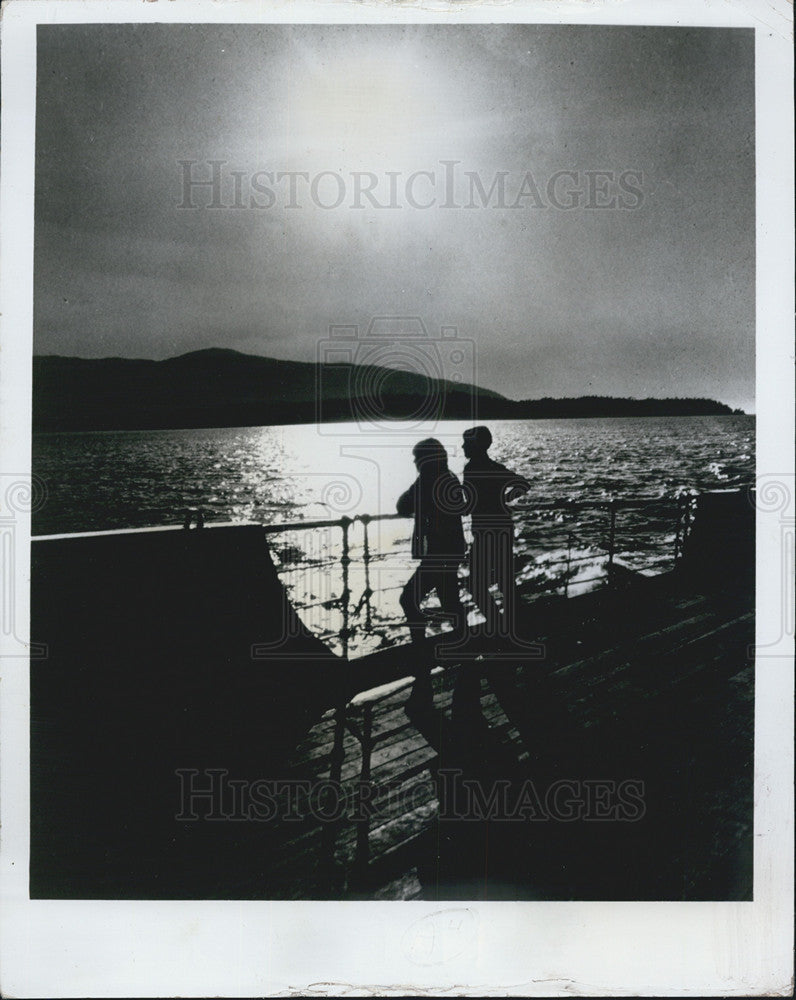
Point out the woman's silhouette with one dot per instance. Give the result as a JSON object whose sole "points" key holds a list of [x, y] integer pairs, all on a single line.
{"points": [[436, 502]]}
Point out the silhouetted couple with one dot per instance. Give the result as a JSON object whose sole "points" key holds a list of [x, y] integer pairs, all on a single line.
{"points": [[437, 501]]}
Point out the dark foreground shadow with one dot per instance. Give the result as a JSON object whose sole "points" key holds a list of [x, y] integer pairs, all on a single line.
{"points": [[171, 656], [632, 781], [630, 778]]}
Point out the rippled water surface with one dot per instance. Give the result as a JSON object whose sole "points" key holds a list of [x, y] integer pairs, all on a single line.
{"points": [[104, 480]]}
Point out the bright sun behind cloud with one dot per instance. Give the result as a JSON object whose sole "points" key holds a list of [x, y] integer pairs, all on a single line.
{"points": [[387, 109]]}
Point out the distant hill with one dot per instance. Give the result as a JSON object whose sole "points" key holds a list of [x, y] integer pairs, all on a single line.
{"points": [[224, 388], [619, 406]]}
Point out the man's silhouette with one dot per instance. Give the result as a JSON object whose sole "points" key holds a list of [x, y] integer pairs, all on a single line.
{"points": [[435, 501], [488, 486]]}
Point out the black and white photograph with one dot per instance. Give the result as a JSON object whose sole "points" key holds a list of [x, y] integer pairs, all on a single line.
{"points": [[397, 408]]}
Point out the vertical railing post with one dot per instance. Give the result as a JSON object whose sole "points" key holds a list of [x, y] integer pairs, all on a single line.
{"points": [[338, 752], [680, 519], [611, 539], [688, 518], [337, 756], [363, 818], [345, 596], [365, 519]]}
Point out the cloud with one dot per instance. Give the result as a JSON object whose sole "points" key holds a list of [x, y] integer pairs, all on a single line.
{"points": [[585, 299]]}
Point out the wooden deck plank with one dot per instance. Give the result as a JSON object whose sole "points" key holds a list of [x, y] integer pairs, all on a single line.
{"points": [[615, 672]]}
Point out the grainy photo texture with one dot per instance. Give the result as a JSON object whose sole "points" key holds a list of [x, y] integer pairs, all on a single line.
{"points": [[393, 461]]}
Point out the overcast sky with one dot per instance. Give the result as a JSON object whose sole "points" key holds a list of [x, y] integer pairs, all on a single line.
{"points": [[651, 295]]}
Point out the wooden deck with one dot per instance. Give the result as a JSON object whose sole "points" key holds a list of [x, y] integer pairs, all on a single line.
{"points": [[652, 684]]}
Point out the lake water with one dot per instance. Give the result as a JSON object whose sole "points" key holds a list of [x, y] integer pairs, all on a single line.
{"points": [[121, 479]]}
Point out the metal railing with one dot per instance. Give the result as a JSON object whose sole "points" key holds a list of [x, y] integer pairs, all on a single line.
{"points": [[659, 525], [601, 533], [344, 524], [357, 715], [615, 530]]}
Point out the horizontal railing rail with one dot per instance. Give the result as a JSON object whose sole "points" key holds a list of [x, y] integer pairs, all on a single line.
{"points": [[340, 522], [539, 522], [554, 574]]}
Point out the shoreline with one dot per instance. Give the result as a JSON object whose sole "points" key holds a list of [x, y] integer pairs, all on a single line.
{"points": [[41, 431]]}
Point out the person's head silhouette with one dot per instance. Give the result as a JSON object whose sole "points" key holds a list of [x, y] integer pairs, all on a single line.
{"points": [[430, 456], [476, 441]]}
